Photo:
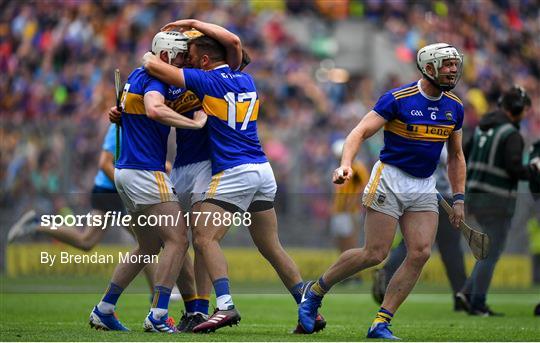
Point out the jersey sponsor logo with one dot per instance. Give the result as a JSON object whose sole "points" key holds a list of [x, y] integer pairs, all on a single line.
{"points": [[423, 132], [417, 113], [184, 103]]}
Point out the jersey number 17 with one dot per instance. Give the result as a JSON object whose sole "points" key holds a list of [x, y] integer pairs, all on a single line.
{"points": [[233, 115]]}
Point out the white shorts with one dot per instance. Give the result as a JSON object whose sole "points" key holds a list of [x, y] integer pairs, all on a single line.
{"points": [[142, 188], [191, 181], [392, 191], [242, 185], [343, 224]]}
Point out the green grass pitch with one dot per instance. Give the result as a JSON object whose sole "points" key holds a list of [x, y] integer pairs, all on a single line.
{"points": [[270, 317]]}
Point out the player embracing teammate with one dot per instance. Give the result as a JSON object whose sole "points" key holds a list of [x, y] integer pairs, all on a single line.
{"points": [[242, 179]]}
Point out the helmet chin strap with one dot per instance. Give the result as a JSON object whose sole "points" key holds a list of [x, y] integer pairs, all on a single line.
{"points": [[442, 88]]}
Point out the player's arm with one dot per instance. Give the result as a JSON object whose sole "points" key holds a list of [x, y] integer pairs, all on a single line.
{"points": [[229, 40], [154, 102], [106, 163], [368, 126], [163, 71], [457, 173]]}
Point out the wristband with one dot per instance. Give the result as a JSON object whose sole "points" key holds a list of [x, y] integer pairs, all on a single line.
{"points": [[458, 198]]}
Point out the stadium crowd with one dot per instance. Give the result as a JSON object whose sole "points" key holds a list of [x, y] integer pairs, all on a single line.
{"points": [[57, 60]]}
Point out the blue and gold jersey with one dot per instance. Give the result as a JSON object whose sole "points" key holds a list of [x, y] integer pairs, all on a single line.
{"points": [[144, 141], [231, 101], [417, 127], [192, 146]]}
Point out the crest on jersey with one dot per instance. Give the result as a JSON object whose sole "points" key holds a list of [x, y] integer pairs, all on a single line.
{"points": [[448, 115], [381, 198]]}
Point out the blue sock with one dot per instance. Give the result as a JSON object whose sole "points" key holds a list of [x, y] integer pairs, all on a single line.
{"points": [[112, 294], [161, 297], [190, 304], [296, 292], [201, 305], [222, 287], [223, 295]]}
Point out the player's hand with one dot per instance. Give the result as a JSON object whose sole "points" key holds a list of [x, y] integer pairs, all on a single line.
{"points": [[200, 117], [458, 215], [147, 58], [342, 174], [168, 167], [179, 25], [115, 115]]}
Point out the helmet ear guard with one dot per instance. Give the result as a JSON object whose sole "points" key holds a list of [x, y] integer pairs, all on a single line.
{"points": [[171, 42], [436, 54], [514, 100]]}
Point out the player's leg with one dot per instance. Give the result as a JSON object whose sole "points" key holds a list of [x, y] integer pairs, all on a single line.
{"points": [[419, 230], [201, 173], [184, 179], [149, 273], [186, 286], [202, 278], [203, 283], [380, 229], [185, 280], [229, 194], [174, 247], [102, 316], [264, 232], [207, 236], [263, 229], [382, 276]]}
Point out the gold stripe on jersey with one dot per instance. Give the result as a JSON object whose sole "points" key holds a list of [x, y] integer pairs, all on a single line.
{"points": [[373, 187], [188, 101], [453, 97], [134, 104], [416, 91], [346, 196], [422, 132], [219, 108], [404, 90]]}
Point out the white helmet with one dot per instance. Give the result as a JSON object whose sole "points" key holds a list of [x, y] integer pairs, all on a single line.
{"points": [[170, 41], [436, 54]]}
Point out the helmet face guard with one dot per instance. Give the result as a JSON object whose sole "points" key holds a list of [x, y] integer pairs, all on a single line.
{"points": [[436, 55], [172, 42]]}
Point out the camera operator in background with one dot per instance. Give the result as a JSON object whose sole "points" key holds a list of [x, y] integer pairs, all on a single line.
{"points": [[494, 168]]}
